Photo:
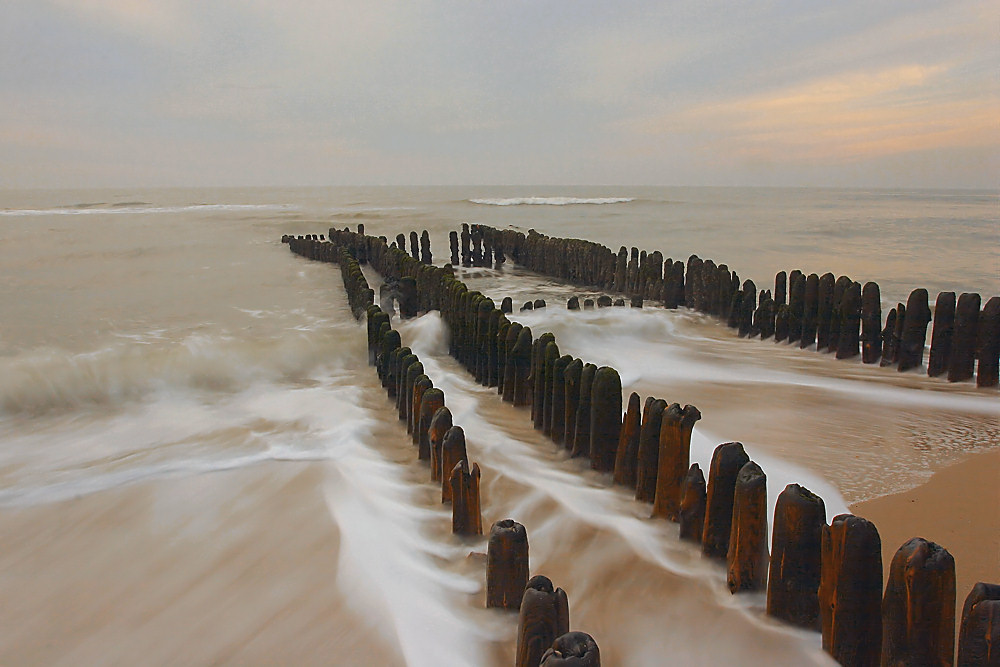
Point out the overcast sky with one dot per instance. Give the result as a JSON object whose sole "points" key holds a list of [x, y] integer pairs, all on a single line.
{"points": [[331, 92]]}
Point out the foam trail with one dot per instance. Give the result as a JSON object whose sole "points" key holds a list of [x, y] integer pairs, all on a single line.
{"points": [[389, 568]]}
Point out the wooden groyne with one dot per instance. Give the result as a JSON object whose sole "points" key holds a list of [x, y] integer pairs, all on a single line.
{"points": [[830, 314], [826, 577]]}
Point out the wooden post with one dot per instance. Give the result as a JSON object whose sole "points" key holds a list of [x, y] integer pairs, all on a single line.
{"points": [[550, 356], [824, 310], [628, 444], [674, 458], [871, 323], [573, 649], [441, 423], [727, 460], [431, 401], [605, 418], [850, 591], [466, 518], [979, 636], [581, 444], [506, 565], [988, 344], [453, 452], [796, 557], [850, 322], [963, 341], [692, 513], [914, 331], [918, 610], [421, 384], [521, 359], [544, 616], [571, 401], [746, 558], [648, 455]]}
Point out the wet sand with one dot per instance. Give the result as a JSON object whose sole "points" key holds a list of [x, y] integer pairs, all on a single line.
{"points": [[959, 508]]}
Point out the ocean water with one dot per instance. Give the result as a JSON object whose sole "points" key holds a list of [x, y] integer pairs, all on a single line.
{"points": [[197, 464]]}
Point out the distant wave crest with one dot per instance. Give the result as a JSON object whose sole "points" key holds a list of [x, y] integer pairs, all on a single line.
{"points": [[551, 201]]}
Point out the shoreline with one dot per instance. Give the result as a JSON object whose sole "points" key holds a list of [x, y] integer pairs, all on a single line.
{"points": [[959, 508]]}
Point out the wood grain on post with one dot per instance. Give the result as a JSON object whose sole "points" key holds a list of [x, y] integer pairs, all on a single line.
{"points": [[441, 423], [693, 499], [511, 364], [918, 609], [914, 330], [538, 379], [850, 591], [988, 344], [431, 401], [581, 444], [543, 616], [453, 451], [979, 636], [605, 418], [521, 358], [648, 455], [549, 358], [962, 363], [413, 371], [727, 460], [796, 557], [573, 649], [420, 384], [674, 458], [944, 325], [746, 559], [506, 565], [466, 518], [628, 444]]}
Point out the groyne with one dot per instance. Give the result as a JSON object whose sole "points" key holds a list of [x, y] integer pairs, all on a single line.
{"points": [[825, 577]]}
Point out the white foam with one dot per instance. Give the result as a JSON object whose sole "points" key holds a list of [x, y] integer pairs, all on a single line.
{"points": [[550, 201]]}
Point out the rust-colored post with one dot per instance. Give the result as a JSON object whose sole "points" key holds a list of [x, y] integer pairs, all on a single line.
{"points": [[628, 444], [573, 649], [430, 403], [466, 518], [692, 512], [727, 460], [648, 456], [452, 452], [506, 565], [796, 557], [544, 615], [918, 610], [850, 591], [979, 636], [746, 559], [441, 423], [674, 458]]}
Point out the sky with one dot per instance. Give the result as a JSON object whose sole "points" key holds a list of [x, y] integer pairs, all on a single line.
{"points": [[115, 93]]}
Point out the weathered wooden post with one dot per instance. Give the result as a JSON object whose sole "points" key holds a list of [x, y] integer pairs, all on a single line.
{"points": [[962, 363], [693, 498], [413, 371], [807, 336], [850, 591], [506, 565], [521, 360], [605, 418], [441, 423], [549, 357], [573, 303], [453, 451], [453, 242], [420, 385], [796, 557], [425, 248], [988, 344], [466, 245], [573, 649], [557, 423], [401, 242], [674, 458], [544, 616], [538, 379], [850, 322], [580, 445], [918, 610], [571, 401], [796, 297], [628, 444], [431, 401], [914, 331], [944, 325], [746, 559], [466, 517], [871, 323], [648, 455], [404, 359], [507, 305], [824, 310], [414, 246], [979, 636], [603, 301], [727, 460], [890, 348]]}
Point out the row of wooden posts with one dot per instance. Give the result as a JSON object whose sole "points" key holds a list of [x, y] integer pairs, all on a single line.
{"points": [[543, 636], [826, 577], [824, 312]]}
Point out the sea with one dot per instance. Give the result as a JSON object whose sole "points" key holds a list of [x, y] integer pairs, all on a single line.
{"points": [[197, 465]]}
